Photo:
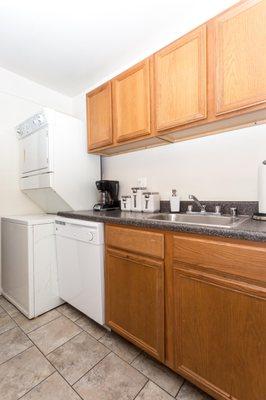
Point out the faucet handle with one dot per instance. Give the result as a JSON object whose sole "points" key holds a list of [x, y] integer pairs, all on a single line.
{"points": [[190, 208], [203, 208], [233, 211], [218, 210]]}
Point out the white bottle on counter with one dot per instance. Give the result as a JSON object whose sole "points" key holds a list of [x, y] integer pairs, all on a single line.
{"points": [[174, 201]]}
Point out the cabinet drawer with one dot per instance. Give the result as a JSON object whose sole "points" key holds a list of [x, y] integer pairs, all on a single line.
{"points": [[244, 260], [135, 241]]}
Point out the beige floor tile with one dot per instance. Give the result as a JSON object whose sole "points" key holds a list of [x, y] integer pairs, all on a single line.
{"points": [[22, 373], [77, 356], [153, 392], [70, 312], [54, 334], [158, 373], [111, 379], [29, 325], [120, 346], [12, 343], [190, 392], [53, 388], [8, 307], [90, 326], [6, 322]]}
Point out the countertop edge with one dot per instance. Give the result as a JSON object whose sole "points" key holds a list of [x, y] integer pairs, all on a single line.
{"points": [[234, 233]]}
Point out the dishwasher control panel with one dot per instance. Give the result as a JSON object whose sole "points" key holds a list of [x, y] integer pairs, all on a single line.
{"points": [[89, 233]]}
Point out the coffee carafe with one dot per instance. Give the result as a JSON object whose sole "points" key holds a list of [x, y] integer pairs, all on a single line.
{"points": [[108, 195]]}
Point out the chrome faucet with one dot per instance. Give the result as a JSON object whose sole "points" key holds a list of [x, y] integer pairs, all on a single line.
{"points": [[202, 207]]}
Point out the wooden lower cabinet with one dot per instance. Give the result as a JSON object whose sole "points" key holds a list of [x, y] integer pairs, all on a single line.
{"points": [[220, 335], [217, 314], [196, 303], [135, 299]]}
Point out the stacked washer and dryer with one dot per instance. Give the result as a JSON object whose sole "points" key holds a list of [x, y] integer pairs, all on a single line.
{"points": [[58, 175]]}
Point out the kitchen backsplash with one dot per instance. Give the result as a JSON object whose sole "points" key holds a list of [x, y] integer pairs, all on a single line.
{"points": [[243, 207]]}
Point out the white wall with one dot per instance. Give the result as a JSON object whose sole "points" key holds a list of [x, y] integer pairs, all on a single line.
{"points": [[220, 167], [13, 111], [19, 98], [15, 85]]}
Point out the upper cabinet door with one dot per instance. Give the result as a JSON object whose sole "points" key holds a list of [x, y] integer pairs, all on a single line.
{"points": [[180, 81], [132, 102], [99, 117], [241, 57]]}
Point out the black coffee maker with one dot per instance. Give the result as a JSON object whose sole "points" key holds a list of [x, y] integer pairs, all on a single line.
{"points": [[108, 191]]}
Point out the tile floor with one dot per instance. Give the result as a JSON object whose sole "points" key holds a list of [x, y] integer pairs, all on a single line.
{"points": [[63, 355]]}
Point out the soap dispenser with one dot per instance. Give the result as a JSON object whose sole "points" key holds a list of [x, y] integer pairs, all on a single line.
{"points": [[174, 201]]}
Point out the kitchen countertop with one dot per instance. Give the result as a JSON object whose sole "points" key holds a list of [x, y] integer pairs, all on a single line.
{"points": [[248, 230]]}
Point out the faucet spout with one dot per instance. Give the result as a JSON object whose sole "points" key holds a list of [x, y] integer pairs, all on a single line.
{"points": [[201, 206]]}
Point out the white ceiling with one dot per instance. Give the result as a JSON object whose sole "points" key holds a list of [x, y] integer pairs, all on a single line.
{"points": [[69, 46]]}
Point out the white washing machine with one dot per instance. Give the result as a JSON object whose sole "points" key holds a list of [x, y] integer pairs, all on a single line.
{"points": [[29, 269]]}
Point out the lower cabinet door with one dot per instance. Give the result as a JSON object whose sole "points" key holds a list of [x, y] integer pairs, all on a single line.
{"points": [[135, 299], [220, 335]]}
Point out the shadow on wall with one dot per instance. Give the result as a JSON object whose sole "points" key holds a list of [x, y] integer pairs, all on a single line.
{"points": [[219, 167]]}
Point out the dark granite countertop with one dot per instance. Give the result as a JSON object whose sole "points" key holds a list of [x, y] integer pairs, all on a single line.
{"points": [[248, 230]]}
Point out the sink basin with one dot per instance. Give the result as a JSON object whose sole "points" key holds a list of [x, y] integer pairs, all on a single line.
{"points": [[222, 221]]}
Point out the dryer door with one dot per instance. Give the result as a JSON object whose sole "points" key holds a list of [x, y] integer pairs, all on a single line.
{"points": [[34, 150]]}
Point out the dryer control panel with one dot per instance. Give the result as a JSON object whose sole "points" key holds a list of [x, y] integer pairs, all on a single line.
{"points": [[31, 125]]}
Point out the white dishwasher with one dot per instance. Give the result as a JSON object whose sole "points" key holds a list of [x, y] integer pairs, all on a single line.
{"points": [[80, 260]]}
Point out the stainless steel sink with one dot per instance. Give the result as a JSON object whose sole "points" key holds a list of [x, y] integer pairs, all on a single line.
{"points": [[222, 221]]}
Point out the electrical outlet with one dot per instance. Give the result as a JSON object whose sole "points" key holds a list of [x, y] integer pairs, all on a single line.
{"points": [[142, 182]]}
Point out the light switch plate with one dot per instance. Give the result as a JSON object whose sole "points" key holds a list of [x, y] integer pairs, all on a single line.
{"points": [[142, 182]]}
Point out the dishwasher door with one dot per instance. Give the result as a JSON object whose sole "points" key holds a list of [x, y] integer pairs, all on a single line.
{"points": [[80, 260]]}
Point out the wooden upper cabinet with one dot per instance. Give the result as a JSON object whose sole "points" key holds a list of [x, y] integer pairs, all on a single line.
{"points": [[241, 57], [180, 81], [99, 117], [210, 80], [132, 102]]}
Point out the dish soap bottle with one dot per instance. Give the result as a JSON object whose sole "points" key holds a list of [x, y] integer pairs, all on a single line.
{"points": [[174, 201]]}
